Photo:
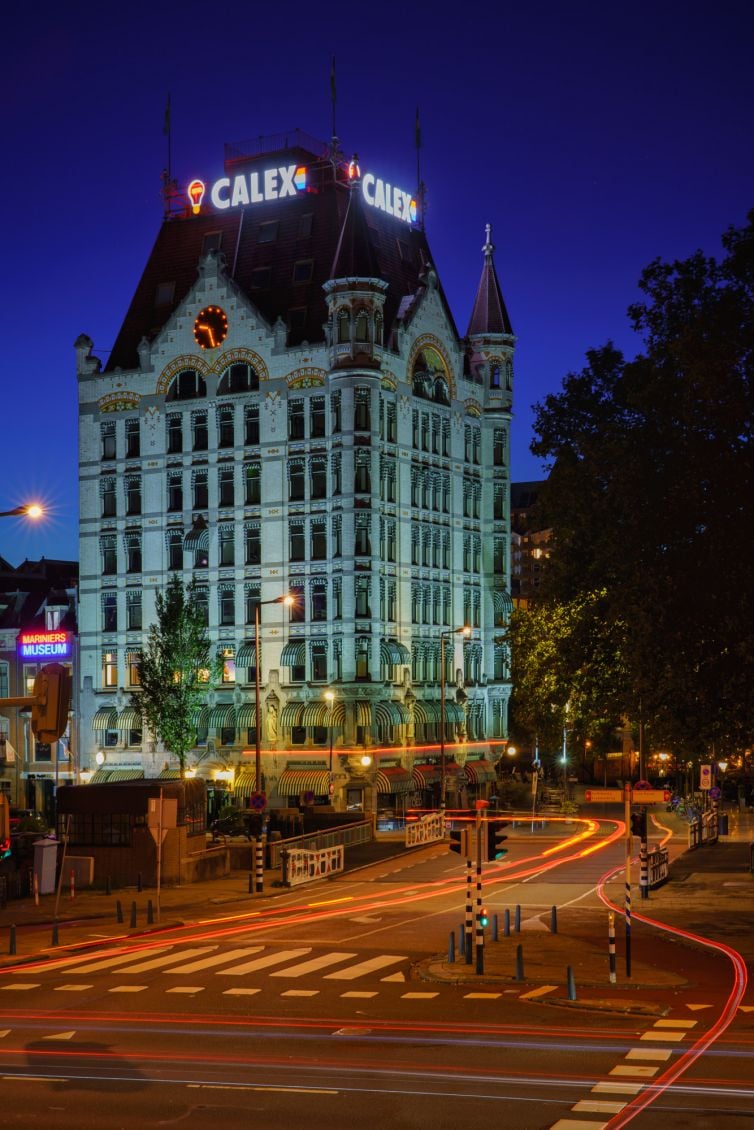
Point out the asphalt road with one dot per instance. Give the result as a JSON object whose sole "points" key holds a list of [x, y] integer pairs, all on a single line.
{"points": [[328, 1008]]}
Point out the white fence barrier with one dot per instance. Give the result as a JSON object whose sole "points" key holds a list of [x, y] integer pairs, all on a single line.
{"points": [[658, 860], [301, 866], [426, 830]]}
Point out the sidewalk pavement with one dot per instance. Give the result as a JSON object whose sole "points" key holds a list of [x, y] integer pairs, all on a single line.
{"points": [[710, 891]]}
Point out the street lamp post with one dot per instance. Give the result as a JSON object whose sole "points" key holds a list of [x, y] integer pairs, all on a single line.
{"points": [[285, 599], [330, 696], [463, 631], [29, 510]]}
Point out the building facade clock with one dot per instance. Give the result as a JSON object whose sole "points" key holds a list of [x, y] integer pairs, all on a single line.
{"points": [[210, 327]]}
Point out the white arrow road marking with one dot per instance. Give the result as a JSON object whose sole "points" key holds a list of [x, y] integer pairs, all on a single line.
{"points": [[60, 1036]]}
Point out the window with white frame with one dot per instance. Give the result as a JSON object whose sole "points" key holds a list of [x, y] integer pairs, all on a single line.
{"points": [[110, 668], [133, 610], [132, 544], [108, 555], [107, 439]]}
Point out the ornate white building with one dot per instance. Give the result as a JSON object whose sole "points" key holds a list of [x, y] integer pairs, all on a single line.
{"points": [[289, 407]]}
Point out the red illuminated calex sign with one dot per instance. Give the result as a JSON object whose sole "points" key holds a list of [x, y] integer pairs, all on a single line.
{"points": [[44, 645]]}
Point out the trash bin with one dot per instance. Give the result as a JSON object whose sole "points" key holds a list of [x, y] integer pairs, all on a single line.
{"points": [[722, 824], [45, 865]]}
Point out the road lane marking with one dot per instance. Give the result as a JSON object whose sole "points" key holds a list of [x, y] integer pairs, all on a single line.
{"points": [[577, 1124], [166, 959], [7, 1031], [649, 1053], [215, 959], [188, 989], [20, 986], [697, 1007], [61, 1035], [128, 989], [371, 965], [481, 996], [641, 1072], [418, 996], [106, 962], [591, 1106], [537, 992], [679, 1023], [300, 993], [394, 977], [72, 988], [240, 992], [617, 1088], [364, 994], [664, 1037], [264, 962], [329, 902], [313, 964]]}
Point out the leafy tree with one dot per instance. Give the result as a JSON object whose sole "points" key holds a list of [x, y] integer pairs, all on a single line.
{"points": [[176, 669], [651, 498]]}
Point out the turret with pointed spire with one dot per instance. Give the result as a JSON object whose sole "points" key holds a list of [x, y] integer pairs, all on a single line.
{"points": [[490, 334]]}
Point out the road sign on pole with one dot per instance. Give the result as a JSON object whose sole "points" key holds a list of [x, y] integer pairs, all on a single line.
{"points": [[258, 801]]}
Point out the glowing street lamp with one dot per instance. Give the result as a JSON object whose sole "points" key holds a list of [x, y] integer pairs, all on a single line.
{"points": [[289, 600], [29, 510], [463, 631]]}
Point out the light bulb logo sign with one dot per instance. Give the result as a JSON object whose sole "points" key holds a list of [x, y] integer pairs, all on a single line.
{"points": [[196, 192]]}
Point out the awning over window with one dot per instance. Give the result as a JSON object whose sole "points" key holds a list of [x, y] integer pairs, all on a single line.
{"points": [[245, 784], [479, 772], [247, 716], [129, 719], [394, 779], [290, 715], [453, 712], [246, 656], [126, 775], [316, 714], [99, 777], [424, 776], [502, 603], [106, 718], [201, 718], [223, 717], [387, 713], [392, 652], [363, 713], [426, 711], [170, 775], [299, 782], [198, 536], [293, 654]]}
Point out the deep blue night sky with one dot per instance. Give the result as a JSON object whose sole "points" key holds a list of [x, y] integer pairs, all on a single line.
{"points": [[594, 137]]}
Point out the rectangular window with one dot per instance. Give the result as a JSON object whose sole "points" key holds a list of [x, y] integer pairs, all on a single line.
{"points": [[297, 611], [227, 545], [318, 478], [133, 494], [175, 491], [363, 540], [251, 601], [335, 415], [3, 683], [227, 656], [319, 539], [361, 593], [133, 553], [251, 425], [133, 610], [296, 421], [225, 486], [268, 232], [362, 417], [175, 434], [303, 270], [305, 223], [107, 493], [252, 484], [362, 658], [317, 417], [297, 541], [201, 495], [296, 481], [252, 545], [225, 427], [109, 612], [133, 674], [201, 603], [109, 669], [175, 549], [133, 443], [108, 556], [107, 440], [199, 432], [319, 661], [227, 609], [498, 447], [319, 603]]}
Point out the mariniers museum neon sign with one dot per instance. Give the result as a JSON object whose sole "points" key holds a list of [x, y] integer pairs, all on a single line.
{"points": [[43, 645]]}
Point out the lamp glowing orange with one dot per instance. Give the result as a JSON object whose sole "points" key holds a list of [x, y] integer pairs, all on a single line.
{"points": [[196, 192]]}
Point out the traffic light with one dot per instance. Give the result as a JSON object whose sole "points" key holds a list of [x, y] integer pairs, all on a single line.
{"points": [[52, 700], [639, 823], [484, 918], [495, 838], [460, 842]]}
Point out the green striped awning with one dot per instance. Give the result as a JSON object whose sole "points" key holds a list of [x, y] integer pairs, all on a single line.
{"points": [[426, 711], [393, 779], [363, 714], [126, 775], [479, 771], [247, 716], [316, 714], [386, 713], [201, 718], [290, 715], [198, 536], [223, 716], [293, 654], [106, 718], [453, 712], [502, 603], [299, 782], [170, 775], [246, 656], [245, 784], [130, 719], [99, 776], [392, 652]]}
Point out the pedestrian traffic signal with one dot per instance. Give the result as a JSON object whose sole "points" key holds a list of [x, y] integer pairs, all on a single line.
{"points": [[495, 838], [460, 841], [52, 701], [484, 918], [639, 823]]}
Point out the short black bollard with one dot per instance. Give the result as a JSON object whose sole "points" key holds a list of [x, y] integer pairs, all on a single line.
{"points": [[54, 934], [138, 882], [133, 915], [506, 923], [519, 963], [150, 912], [494, 927], [12, 947], [554, 920], [571, 985], [518, 919], [451, 948], [118, 911]]}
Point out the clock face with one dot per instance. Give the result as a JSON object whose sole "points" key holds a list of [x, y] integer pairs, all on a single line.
{"points": [[211, 327]]}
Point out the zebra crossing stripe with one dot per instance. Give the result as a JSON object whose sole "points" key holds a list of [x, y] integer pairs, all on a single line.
{"points": [[215, 959], [264, 962], [166, 959], [110, 962], [313, 965], [369, 966]]}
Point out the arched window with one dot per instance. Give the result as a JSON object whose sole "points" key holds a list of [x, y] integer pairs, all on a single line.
{"points": [[187, 385], [344, 326], [238, 378], [378, 323], [495, 376], [361, 333]]}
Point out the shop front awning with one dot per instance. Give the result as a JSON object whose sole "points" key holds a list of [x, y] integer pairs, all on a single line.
{"points": [[223, 717], [386, 713], [245, 784], [246, 718], [198, 536], [290, 715], [302, 782], [426, 712], [394, 779], [316, 714], [99, 776], [246, 656], [453, 713], [392, 652], [293, 654], [424, 776], [201, 718], [502, 603], [106, 718], [130, 719], [479, 772], [169, 775], [363, 713], [125, 775]]}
